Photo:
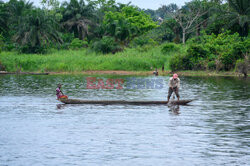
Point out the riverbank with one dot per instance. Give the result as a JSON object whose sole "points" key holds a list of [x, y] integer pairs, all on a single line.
{"points": [[136, 73], [131, 61], [148, 73]]}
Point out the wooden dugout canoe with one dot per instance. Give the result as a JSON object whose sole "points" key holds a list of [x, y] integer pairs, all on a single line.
{"points": [[120, 102]]}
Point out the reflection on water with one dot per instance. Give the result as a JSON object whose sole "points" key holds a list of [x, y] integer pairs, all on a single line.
{"points": [[36, 129], [174, 109], [60, 106]]}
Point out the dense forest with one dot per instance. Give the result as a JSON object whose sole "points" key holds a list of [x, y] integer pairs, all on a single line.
{"points": [[201, 35]]}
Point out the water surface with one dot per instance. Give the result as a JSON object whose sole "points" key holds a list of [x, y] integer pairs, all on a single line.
{"points": [[36, 129]]}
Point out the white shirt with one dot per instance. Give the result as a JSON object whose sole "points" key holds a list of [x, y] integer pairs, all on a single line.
{"points": [[174, 83]]}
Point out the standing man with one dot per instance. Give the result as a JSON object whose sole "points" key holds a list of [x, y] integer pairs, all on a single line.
{"points": [[174, 86]]}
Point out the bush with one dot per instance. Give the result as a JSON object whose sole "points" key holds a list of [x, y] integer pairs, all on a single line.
{"points": [[211, 52], [63, 46], [77, 44], [143, 40], [67, 37], [32, 49], [170, 47], [185, 62], [176, 62], [196, 57], [177, 40], [2, 68], [220, 52], [144, 48], [1, 43], [242, 65], [211, 65], [106, 45], [197, 52], [9, 46], [227, 47], [227, 60]]}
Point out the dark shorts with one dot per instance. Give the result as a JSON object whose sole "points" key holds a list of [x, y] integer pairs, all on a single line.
{"points": [[175, 90]]}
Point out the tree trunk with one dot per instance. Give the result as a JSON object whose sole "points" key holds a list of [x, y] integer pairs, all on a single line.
{"points": [[198, 29], [244, 30], [205, 25], [80, 35], [183, 36]]}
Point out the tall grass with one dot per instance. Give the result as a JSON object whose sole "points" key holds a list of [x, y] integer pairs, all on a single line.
{"points": [[131, 59]]}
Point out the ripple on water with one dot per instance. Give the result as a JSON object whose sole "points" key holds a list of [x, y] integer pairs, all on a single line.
{"points": [[36, 129]]}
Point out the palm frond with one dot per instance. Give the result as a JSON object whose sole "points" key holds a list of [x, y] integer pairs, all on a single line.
{"points": [[37, 29]]}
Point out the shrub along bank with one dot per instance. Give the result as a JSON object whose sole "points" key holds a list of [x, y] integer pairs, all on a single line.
{"points": [[211, 52]]}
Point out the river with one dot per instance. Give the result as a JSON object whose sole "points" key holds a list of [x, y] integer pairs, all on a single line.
{"points": [[36, 129]]}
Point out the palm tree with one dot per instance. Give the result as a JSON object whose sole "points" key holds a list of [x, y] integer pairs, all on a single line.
{"points": [[37, 30], [3, 17], [17, 9], [239, 14], [77, 17]]}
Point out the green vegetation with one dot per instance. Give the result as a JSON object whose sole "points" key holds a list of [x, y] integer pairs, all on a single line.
{"points": [[210, 52], [242, 65], [170, 47], [79, 60], [106, 45], [78, 44], [126, 24], [83, 35]]}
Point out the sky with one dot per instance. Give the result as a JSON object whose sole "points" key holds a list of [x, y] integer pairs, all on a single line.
{"points": [[145, 4]]}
